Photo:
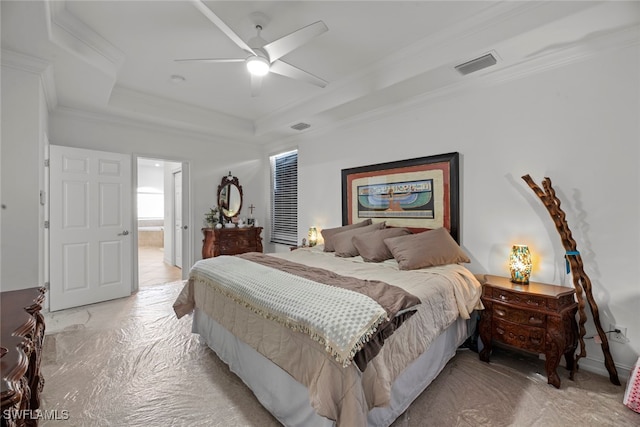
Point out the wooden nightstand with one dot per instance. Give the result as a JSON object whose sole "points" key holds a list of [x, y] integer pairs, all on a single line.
{"points": [[537, 317]]}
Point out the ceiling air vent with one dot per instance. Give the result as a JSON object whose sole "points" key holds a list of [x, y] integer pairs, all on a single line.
{"points": [[477, 64], [301, 126]]}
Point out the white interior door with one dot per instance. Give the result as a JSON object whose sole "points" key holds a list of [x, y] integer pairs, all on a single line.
{"points": [[177, 215], [90, 223]]}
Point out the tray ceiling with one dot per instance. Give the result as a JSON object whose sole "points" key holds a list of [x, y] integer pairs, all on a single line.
{"points": [[116, 58]]}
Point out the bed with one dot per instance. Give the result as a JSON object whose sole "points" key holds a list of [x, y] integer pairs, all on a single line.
{"points": [[313, 387], [346, 333]]}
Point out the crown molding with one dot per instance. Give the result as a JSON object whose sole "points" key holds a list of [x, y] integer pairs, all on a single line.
{"points": [[37, 66], [20, 61], [560, 56], [567, 54], [351, 100], [147, 124], [497, 23], [208, 121], [140, 110], [73, 35]]}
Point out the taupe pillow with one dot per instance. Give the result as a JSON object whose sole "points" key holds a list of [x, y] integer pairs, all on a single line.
{"points": [[426, 249], [371, 246], [328, 233], [343, 241]]}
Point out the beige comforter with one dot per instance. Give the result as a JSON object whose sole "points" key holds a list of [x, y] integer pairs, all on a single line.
{"points": [[345, 394]]}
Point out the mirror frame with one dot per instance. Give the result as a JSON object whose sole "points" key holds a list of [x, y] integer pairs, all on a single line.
{"points": [[228, 181]]}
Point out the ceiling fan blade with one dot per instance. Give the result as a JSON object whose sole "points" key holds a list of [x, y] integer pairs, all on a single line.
{"points": [[288, 70], [256, 85], [278, 48], [211, 60], [223, 27]]}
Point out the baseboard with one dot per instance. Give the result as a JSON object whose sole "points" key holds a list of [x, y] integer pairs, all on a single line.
{"points": [[597, 367]]}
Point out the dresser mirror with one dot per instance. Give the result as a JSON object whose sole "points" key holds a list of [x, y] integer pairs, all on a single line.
{"points": [[229, 197]]}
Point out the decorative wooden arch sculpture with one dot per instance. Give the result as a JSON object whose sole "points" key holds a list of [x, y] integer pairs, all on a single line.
{"points": [[581, 281]]}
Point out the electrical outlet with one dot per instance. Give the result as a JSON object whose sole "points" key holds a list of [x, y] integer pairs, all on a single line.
{"points": [[618, 336]]}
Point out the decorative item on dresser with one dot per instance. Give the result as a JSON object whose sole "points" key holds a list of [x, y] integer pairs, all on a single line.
{"points": [[21, 340], [229, 197], [537, 317], [231, 241]]}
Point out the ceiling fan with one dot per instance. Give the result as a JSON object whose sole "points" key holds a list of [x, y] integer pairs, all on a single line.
{"points": [[264, 57]]}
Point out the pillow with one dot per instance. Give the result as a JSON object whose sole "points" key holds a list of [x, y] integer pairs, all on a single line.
{"points": [[343, 241], [426, 249], [327, 234], [371, 246]]}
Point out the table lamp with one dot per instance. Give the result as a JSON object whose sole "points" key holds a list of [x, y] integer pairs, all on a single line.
{"points": [[313, 236], [520, 264]]}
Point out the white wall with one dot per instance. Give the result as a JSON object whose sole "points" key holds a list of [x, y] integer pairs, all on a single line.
{"points": [[24, 128], [577, 125]]}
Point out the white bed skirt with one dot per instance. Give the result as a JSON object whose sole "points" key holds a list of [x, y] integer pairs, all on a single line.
{"points": [[290, 404]]}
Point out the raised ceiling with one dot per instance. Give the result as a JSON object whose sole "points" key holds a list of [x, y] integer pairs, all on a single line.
{"points": [[116, 58]]}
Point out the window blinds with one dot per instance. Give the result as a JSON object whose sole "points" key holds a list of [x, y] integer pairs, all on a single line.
{"points": [[284, 205]]}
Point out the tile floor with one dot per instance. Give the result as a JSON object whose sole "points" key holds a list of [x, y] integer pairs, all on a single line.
{"points": [[152, 270]]}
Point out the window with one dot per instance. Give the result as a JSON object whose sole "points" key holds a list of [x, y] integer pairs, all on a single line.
{"points": [[150, 203], [284, 202]]}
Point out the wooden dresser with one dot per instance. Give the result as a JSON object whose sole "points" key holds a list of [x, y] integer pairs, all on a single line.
{"points": [[21, 340], [230, 241], [537, 317]]}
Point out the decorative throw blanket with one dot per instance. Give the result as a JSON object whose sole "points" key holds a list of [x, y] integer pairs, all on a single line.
{"points": [[398, 303], [343, 314]]}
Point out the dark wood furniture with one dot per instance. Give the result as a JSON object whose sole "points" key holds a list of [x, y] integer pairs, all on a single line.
{"points": [[22, 339], [230, 241], [581, 280], [537, 317]]}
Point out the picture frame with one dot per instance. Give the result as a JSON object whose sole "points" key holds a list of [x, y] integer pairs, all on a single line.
{"points": [[420, 193]]}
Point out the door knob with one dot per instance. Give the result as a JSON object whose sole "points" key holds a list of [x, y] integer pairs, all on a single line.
{"points": [[124, 233], [184, 227]]}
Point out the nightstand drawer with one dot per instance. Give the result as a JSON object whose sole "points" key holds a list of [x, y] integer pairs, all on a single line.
{"points": [[518, 298], [518, 315], [524, 337]]}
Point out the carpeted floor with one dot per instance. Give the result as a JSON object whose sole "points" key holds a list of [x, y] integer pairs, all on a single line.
{"points": [[130, 362]]}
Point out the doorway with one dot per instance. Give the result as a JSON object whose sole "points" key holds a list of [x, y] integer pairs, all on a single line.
{"points": [[159, 234]]}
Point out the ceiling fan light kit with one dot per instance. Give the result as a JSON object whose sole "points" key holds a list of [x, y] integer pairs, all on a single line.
{"points": [[265, 56], [258, 66]]}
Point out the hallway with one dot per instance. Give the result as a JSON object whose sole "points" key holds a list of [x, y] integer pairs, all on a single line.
{"points": [[152, 270]]}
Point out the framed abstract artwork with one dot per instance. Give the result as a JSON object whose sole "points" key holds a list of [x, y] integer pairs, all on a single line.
{"points": [[420, 193]]}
